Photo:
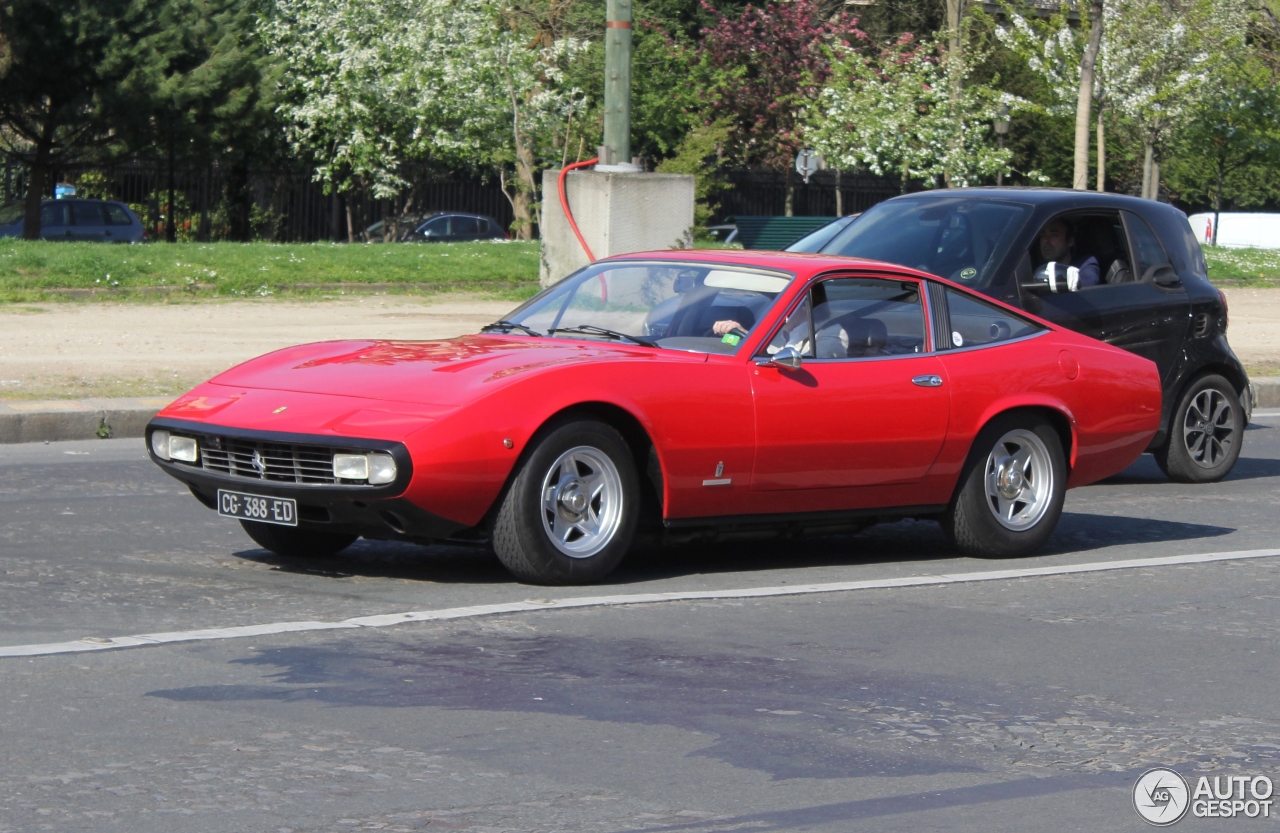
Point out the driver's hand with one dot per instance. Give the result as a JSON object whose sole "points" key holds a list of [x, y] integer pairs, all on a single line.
{"points": [[722, 327]]}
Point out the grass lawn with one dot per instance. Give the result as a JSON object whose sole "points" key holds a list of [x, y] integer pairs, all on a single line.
{"points": [[1244, 267], [44, 271]]}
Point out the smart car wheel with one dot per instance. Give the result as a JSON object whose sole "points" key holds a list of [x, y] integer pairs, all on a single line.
{"points": [[1204, 434], [570, 513], [1011, 491], [297, 543]]}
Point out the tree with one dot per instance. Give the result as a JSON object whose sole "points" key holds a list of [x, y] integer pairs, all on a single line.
{"points": [[1066, 59], [893, 113], [762, 69], [1231, 148], [1166, 58], [65, 58]]}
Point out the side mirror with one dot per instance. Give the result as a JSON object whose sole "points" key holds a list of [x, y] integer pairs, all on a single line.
{"points": [[787, 358]]}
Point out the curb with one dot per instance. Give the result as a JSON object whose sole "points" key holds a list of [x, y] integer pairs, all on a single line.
{"points": [[86, 419], [72, 419], [1266, 391]]}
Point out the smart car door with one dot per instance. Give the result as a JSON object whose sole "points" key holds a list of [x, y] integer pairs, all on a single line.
{"points": [[1139, 306], [866, 401]]}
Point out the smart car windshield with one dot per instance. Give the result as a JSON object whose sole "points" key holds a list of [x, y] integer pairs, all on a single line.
{"points": [[701, 307], [961, 238]]}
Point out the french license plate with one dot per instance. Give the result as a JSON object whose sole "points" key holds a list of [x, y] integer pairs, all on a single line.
{"points": [[260, 508]]}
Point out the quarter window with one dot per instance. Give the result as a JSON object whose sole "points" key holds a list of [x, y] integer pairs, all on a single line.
{"points": [[117, 216], [974, 322], [465, 227], [1146, 246]]}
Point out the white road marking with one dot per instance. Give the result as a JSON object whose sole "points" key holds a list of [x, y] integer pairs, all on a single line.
{"points": [[95, 643]]}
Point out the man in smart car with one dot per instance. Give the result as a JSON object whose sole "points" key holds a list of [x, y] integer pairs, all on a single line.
{"points": [[1058, 244]]}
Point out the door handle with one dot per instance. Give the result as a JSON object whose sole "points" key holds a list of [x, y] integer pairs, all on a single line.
{"points": [[928, 381]]}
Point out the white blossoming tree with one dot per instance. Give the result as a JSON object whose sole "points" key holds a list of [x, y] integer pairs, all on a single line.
{"points": [[374, 85], [897, 113]]}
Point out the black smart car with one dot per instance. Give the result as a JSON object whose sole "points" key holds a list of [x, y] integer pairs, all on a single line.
{"points": [[1123, 270]]}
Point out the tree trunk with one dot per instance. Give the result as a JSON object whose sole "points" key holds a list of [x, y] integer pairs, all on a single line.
{"points": [[239, 200], [351, 223], [789, 196], [526, 189], [1084, 98], [171, 219], [1155, 180], [1102, 154], [839, 196], [37, 181], [955, 62], [1148, 155]]}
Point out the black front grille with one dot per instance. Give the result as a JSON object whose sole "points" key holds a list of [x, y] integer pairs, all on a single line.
{"points": [[269, 461]]}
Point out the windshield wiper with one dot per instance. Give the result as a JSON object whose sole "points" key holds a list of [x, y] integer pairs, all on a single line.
{"points": [[507, 326], [603, 331]]}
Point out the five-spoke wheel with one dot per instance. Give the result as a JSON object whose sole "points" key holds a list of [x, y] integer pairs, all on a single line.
{"points": [[570, 511], [1011, 490], [1204, 433]]}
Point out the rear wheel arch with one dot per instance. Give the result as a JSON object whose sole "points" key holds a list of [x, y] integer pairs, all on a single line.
{"points": [[1061, 423]]}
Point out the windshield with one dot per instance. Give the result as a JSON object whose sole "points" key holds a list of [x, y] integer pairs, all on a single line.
{"points": [[961, 238], [702, 307]]}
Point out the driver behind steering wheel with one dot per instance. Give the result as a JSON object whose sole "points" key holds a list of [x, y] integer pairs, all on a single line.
{"points": [[1057, 245]]}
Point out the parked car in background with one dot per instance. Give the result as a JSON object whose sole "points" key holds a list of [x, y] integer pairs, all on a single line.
{"points": [[680, 393], [1140, 283], [96, 221], [455, 227]]}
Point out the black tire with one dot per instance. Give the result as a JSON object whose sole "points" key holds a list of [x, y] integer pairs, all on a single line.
{"points": [[1206, 431], [547, 497], [971, 520], [297, 543]]}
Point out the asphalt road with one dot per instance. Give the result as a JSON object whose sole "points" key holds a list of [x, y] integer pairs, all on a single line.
{"points": [[1026, 704]]}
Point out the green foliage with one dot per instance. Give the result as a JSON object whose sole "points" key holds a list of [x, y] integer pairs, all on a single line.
{"points": [[42, 271], [699, 154]]}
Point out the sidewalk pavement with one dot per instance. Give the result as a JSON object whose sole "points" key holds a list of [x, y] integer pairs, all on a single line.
{"points": [[83, 419]]}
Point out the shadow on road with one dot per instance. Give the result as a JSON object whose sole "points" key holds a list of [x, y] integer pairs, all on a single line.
{"points": [[902, 542]]}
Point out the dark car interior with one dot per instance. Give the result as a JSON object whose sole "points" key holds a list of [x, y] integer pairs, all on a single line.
{"points": [[1103, 237]]}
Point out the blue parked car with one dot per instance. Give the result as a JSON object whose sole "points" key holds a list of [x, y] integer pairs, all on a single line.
{"points": [[99, 221]]}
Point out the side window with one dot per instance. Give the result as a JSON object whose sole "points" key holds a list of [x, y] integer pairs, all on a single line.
{"points": [[1092, 243], [858, 318], [438, 227], [86, 214], [465, 227], [117, 216], [974, 322], [1146, 246], [484, 226], [796, 332], [53, 214]]}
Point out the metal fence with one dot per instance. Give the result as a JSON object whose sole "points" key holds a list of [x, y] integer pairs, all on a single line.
{"points": [[290, 206]]}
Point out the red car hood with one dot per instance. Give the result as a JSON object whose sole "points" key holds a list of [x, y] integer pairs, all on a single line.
{"points": [[445, 373]]}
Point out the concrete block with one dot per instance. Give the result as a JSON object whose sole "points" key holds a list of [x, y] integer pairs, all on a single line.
{"points": [[1267, 389], [617, 213]]}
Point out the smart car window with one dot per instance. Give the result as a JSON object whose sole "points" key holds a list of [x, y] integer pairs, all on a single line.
{"points": [[680, 306], [974, 322], [1093, 244], [961, 238], [856, 318], [465, 227]]}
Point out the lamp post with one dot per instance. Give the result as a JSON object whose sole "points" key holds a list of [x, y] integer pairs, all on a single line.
{"points": [[617, 84], [1002, 130]]}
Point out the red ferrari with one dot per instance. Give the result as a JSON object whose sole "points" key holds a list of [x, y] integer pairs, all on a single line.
{"points": [[687, 392]]}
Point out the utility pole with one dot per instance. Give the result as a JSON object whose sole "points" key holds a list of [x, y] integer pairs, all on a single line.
{"points": [[617, 84]]}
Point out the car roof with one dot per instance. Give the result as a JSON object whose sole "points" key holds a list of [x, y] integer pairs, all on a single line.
{"points": [[1064, 198]]}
